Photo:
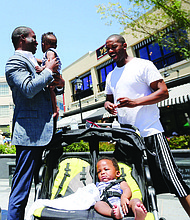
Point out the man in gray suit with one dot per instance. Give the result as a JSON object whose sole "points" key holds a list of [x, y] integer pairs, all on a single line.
{"points": [[33, 122]]}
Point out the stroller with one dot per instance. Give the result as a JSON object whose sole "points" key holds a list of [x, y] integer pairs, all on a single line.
{"points": [[61, 172]]}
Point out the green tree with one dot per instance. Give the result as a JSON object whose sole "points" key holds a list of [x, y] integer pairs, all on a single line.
{"points": [[150, 18]]}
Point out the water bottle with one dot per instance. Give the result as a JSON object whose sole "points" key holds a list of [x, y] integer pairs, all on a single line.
{"points": [[74, 124], [115, 124]]}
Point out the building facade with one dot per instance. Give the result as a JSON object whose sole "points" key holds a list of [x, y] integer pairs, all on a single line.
{"points": [[6, 106]]}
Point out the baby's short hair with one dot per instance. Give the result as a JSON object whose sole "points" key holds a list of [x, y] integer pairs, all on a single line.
{"points": [[112, 159], [45, 36]]}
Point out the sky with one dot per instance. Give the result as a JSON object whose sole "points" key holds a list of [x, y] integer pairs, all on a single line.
{"points": [[76, 24]]}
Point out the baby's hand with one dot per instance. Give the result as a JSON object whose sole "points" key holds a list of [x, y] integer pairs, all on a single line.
{"points": [[124, 204]]}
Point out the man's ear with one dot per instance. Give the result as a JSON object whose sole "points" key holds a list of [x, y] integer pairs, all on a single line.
{"points": [[125, 45], [22, 37]]}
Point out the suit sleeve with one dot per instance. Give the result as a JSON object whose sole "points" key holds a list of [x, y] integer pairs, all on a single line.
{"points": [[22, 75]]}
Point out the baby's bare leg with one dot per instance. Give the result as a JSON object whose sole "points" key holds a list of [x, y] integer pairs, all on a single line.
{"points": [[103, 208], [138, 209], [116, 212]]}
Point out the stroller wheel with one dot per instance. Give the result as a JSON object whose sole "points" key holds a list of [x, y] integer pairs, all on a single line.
{"points": [[162, 218]]}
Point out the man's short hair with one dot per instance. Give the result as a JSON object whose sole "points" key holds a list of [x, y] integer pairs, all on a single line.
{"points": [[120, 38], [17, 33], [45, 36]]}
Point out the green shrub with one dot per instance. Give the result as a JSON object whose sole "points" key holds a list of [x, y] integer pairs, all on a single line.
{"points": [[84, 146], [7, 149], [77, 147], [106, 146], [181, 142]]}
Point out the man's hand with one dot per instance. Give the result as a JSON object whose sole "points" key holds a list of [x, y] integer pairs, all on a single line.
{"points": [[126, 102], [52, 65], [110, 107], [39, 69]]}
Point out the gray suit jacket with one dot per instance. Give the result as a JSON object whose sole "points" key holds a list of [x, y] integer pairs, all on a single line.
{"points": [[33, 114]]}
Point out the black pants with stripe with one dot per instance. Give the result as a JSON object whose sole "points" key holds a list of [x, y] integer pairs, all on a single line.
{"points": [[164, 172]]}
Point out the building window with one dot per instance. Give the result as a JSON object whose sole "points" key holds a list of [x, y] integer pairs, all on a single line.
{"points": [[4, 89], [173, 118], [159, 55], [86, 89], [4, 110], [103, 70]]}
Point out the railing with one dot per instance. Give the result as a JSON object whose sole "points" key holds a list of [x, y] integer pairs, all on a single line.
{"points": [[83, 94]]}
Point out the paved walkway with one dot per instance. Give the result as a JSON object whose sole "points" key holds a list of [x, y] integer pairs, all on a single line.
{"points": [[168, 205], [4, 197]]}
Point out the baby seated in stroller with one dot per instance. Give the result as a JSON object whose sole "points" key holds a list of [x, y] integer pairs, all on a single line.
{"points": [[89, 195], [116, 202]]}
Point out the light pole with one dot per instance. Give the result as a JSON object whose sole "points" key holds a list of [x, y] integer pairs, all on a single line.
{"points": [[78, 84]]}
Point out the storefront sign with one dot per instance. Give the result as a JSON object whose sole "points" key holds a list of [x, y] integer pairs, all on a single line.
{"points": [[185, 172], [101, 52]]}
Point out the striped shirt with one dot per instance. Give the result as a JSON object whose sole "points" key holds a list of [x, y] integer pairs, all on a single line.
{"points": [[116, 188]]}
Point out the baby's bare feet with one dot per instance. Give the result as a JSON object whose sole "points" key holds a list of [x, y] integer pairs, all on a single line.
{"points": [[140, 211], [116, 212]]}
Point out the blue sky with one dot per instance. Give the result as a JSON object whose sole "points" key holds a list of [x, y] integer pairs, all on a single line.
{"points": [[76, 24]]}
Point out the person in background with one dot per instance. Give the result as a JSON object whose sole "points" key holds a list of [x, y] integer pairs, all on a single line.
{"points": [[33, 122]]}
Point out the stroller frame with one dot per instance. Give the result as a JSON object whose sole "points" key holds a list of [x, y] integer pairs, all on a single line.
{"points": [[125, 138]]}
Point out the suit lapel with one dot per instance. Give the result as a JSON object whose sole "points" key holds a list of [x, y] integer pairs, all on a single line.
{"points": [[32, 66]]}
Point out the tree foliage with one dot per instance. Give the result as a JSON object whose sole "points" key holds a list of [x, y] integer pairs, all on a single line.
{"points": [[151, 18]]}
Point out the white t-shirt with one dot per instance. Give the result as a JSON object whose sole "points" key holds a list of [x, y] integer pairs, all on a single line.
{"points": [[133, 81]]}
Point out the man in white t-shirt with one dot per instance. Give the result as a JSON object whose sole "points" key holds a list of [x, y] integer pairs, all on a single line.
{"points": [[132, 90]]}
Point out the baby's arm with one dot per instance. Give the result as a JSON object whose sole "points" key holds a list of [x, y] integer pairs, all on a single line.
{"points": [[50, 56], [125, 197]]}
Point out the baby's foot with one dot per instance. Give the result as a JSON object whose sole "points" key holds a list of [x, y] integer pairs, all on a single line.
{"points": [[116, 212], [140, 211]]}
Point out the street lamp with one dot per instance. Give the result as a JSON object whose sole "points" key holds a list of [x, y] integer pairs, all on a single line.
{"points": [[78, 84]]}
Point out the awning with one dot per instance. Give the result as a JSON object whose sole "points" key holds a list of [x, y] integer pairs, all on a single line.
{"points": [[100, 113], [177, 95], [67, 120], [92, 115]]}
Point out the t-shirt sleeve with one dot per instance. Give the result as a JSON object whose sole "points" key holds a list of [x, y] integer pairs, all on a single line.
{"points": [[151, 73]]}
